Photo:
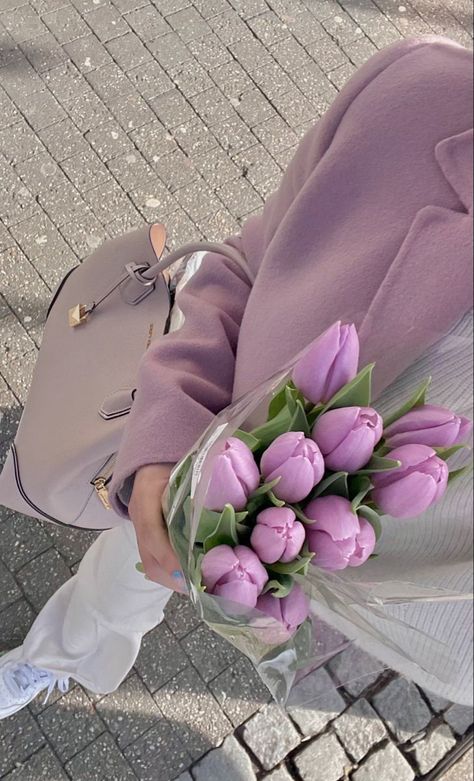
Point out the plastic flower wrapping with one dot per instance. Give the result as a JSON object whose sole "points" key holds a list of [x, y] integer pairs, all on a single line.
{"points": [[279, 513]]}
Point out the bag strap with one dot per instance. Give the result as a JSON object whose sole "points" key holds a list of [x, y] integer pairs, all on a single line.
{"points": [[199, 246]]}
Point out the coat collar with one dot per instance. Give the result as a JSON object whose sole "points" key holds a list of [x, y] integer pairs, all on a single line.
{"points": [[428, 286]]}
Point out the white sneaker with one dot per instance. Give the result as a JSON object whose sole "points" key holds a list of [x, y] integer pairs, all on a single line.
{"points": [[21, 682]]}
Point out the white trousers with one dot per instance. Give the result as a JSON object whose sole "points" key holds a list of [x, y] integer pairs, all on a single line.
{"points": [[91, 628]]}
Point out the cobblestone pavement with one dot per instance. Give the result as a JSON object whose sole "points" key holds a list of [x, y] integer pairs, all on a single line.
{"points": [[113, 114]]}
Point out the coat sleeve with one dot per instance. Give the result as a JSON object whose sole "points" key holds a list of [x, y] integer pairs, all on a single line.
{"points": [[186, 377]]}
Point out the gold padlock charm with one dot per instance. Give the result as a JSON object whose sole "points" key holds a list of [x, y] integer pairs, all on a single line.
{"points": [[78, 315]]}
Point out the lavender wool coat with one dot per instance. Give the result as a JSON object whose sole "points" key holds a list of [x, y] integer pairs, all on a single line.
{"points": [[371, 224]]}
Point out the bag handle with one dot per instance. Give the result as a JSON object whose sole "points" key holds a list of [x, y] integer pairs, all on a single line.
{"points": [[146, 275]]}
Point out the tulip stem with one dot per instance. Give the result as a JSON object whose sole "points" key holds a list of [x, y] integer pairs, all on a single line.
{"points": [[300, 514]]}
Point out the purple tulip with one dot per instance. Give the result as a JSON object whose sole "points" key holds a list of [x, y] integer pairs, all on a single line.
{"points": [[290, 611], [338, 538], [277, 536], [408, 490], [330, 362], [234, 476], [347, 437], [297, 461], [234, 573], [428, 425]]}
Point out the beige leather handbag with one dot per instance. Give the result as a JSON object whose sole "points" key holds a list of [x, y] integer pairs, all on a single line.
{"points": [[102, 318]]}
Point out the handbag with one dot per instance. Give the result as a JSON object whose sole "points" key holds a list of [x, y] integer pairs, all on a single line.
{"points": [[84, 380]]}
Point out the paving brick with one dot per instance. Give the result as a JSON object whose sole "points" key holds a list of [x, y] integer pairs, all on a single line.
{"points": [[44, 52], [130, 169], [129, 712], [209, 653], [19, 739], [19, 356], [128, 51], [233, 135], [387, 763], [41, 109], [240, 197], [251, 54], [191, 78], [355, 669], [197, 199], [359, 729], [197, 720], [257, 164], [189, 24], [19, 82], [326, 52], [87, 111], [167, 7], [157, 754], [70, 724], [240, 691], [172, 109], [210, 51], [275, 135], [131, 111], [181, 229], [18, 142], [106, 22], [70, 543], [248, 8], [314, 702], [462, 770], [375, 24], [194, 137], [8, 112], [108, 201], [323, 760], [16, 620], [109, 140], [160, 658], [209, 8], [66, 82], [340, 76], [272, 80], [147, 23], [65, 24], [9, 591], [84, 233], [437, 703], [150, 80], [85, 170], [170, 50], [212, 106], [21, 539], [153, 141], [401, 707], [62, 140], [459, 717], [431, 749], [88, 53], [110, 82], [281, 774], [253, 107], [269, 28], [342, 28], [229, 761], [231, 79], [42, 765], [101, 759], [315, 85], [41, 577], [271, 736], [153, 200], [175, 170], [23, 23], [229, 28], [360, 51], [45, 248]]}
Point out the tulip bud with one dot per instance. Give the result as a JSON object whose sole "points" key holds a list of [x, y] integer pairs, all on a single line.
{"points": [[234, 476], [347, 437], [330, 362], [277, 536], [236, 574], [408, 490], [338, 538], [297, 461], [428, 425], [290, 611]]}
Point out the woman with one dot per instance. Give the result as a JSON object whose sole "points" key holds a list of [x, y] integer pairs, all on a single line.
{"points": [[372, 220]]}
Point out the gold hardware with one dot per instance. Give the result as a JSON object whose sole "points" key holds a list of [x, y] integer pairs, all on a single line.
{"points": [[78, 315], [102, 492]]}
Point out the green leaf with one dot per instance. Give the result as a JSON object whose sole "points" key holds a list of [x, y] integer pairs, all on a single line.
{"points": [[140, 567], [299, 421], [279, 401], [273, 428], [248, 439], [226, 531], [374, 555], [372, 517], [459, 473], [298, 566], [300, 514], [275, 501], [290, 398], [446, 452], [313, 413], [365, 486], [416, 400], [208, 523], [337, 482], [356, 393], [279, 585], [264, 489], [377, 464]]}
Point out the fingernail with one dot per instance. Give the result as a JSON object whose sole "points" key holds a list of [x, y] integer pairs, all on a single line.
{"points": [[177, 574]]}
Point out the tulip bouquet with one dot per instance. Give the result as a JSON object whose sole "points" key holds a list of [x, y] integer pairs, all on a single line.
{"points": [[264, 518]]}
